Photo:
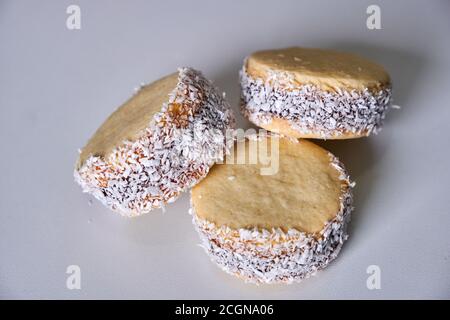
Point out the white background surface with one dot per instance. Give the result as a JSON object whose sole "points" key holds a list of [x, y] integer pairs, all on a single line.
{"points": [[57, 86]]}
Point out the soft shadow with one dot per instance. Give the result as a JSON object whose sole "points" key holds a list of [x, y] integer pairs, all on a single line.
{"points": [[358, 155]]}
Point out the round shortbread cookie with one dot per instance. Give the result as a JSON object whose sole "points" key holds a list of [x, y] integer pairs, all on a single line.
{"points": [[160, 142], [314, 93], [280, 227]]}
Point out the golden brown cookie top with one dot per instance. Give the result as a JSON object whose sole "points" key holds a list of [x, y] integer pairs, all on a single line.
{"points": [[304, 194], [129, 119], [326, 69]]}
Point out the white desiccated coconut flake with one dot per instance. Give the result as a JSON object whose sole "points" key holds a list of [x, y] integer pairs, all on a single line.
{"points": [[312, 110], [169, 156], [276, 256]]}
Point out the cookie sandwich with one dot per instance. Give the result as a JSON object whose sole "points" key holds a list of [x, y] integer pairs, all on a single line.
{"points": [[273, 228], [160, 142], [314, 93]]}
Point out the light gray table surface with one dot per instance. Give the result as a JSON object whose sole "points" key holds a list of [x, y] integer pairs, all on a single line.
{"points": [[58, 85]]}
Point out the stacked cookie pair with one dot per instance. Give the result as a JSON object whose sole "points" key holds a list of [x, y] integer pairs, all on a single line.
{"points": [[265, 226]]}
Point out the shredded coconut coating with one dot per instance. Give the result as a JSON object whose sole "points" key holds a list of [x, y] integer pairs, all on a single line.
{"points": [[311, 110], [172, 154], [277, 256]]}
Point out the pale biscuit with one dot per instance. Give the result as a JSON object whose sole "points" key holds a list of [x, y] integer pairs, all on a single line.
{"points": [[274, 228], [314, 93], [159, 143]]}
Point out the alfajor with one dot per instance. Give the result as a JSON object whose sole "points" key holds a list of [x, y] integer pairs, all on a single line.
{"points": [[314, 93], [272, 228], [162, 141]]}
